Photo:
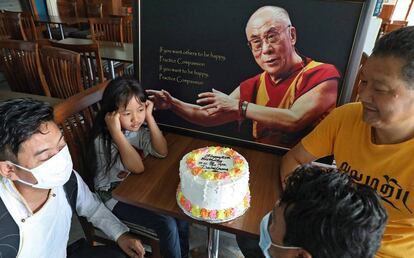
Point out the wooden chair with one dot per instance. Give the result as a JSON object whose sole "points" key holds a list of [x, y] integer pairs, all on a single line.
{"points": [[395, 25], [124, 10], [107, 29], [45, 42], [126, 27], [28, 25], [75, 117], [94, 10], [21, 66], [67, 8], [11, 26], [355, 89], [91, 63], [62, 71]]}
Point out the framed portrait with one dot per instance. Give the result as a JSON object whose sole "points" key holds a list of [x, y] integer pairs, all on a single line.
{"points": [[196, 58]]}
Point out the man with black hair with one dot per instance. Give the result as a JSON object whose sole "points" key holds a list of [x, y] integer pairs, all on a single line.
{"points": [[373, 140], [321, 213], [39, 190]]}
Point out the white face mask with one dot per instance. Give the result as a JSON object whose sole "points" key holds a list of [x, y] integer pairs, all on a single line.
{"points": [[53, 172]]}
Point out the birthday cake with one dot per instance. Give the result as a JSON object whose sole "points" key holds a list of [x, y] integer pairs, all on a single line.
{"points": [[214, 184]]}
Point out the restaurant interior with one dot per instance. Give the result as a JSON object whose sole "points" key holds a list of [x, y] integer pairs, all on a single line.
{"points": [[66, 51]]}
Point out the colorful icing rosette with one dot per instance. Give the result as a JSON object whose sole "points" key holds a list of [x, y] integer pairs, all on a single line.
{"points": [[196, 171], [195, 211], [187, 205], [213, 214], [220, 215], [208, 175], [182, 200], [204, 213]]}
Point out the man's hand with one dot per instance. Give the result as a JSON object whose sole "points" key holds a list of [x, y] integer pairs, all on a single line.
{"points": [[131, 245], [217, 102], [162, 99]]}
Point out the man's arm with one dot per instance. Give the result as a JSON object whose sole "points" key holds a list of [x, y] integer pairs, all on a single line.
{"points": [[295, 157], [190, 112], [306, 109], [91, 207]]}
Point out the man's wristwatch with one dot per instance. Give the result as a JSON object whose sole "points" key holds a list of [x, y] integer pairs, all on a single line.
{"points": [[244, 105]]}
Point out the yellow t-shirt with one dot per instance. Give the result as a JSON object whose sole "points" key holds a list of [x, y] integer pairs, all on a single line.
{"points": [[389, 169]]}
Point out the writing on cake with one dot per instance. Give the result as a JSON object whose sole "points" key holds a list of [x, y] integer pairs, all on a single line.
{"points": [[215, 163]]}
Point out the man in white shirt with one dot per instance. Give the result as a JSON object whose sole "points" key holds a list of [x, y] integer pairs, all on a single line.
{"points": [[35, 212]]}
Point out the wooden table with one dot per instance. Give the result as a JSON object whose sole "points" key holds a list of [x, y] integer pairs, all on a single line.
{"points": [[8, 94], [60, 21], [155, 189], [108, 50]]}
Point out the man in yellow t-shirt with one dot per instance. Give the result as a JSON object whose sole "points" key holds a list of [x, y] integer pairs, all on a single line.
{"points": [[373, 141]]}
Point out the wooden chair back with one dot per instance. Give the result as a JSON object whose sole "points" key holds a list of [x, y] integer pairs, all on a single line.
{"points": [[399, 22], [28, 25], [126, 27], [62, 71], [355, 89], [90, 62], [386, 12], [94, 10], [75, 117], [21, 66], [11, 26], [124, 10], [67, 9], [106, 29], [44, 42], [395, 25]]}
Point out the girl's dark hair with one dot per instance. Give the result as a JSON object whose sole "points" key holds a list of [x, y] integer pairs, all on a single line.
{"points": [[117, 94]]}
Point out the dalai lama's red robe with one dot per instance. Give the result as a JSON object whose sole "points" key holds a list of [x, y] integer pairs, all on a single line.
{"points": [[263, 91]]}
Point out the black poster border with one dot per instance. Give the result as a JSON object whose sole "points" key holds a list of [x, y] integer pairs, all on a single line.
{"points": [[343, 96]]}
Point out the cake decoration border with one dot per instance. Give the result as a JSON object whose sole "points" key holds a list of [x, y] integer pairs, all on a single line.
{"points": [[211, 216]]}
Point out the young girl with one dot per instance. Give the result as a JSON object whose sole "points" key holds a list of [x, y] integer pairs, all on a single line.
{"points": [[119, 131]]}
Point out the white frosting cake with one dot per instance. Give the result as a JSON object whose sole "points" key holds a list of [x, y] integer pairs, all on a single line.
{"points": [[214, 184]]}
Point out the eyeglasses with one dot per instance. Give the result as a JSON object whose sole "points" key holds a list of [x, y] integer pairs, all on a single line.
{"points": [[271, 37]]}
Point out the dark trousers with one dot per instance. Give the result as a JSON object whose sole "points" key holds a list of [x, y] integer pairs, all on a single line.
{"points": [[81, 249], [249, 247], [173, 233]]}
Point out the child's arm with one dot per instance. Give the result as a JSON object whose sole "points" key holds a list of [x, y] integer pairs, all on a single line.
{"points": [[129, 156], [158, 141]]}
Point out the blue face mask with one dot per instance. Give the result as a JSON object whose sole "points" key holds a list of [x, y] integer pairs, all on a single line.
{"points": [[265, 240]]}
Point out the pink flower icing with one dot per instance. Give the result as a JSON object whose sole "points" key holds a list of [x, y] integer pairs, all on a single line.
{"points": [[213, 214], [187, 205]]}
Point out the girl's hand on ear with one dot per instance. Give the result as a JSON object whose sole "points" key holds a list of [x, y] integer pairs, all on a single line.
{"points": [[113, 122], [149, 107]]}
